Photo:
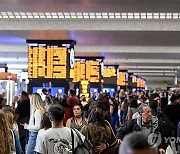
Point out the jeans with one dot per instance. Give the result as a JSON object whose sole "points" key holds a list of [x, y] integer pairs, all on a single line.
{"points": [[123, 116], [31, 143], [114, 121]]}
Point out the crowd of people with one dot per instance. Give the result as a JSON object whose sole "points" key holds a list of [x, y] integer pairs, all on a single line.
{"points": [[61, 124]]}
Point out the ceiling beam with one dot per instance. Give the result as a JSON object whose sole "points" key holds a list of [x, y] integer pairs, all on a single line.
{"points": [[91, 24]]}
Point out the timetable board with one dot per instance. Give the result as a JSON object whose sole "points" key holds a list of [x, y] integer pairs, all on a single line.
{"points": [[122, 79], [49, 61], [89, 70], [109, 71]]}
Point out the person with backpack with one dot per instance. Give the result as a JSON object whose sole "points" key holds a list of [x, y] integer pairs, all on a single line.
{"points": [[99, 131], [58, 139]]}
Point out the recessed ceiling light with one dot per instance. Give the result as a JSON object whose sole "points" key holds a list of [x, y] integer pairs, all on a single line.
{"points": [[67, 16], [73, 16], [24, 16], [61, 16], [72, 13], [42, 16], [86, 16], [105, 14], [92, 16]]}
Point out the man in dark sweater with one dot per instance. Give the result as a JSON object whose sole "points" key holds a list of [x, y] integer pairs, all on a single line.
{"points": [[172, 111]]}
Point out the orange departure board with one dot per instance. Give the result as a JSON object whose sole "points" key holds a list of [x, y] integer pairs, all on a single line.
{"points": [[138, 82], [47, 61], [84, 89], [109, 72], [87, 70], [121, 81]]}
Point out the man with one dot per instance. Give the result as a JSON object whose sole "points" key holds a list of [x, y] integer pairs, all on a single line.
{"points": [[22, 115], [145, 123], [172, 111], [72, 100], [58, 139], [136, 143]]}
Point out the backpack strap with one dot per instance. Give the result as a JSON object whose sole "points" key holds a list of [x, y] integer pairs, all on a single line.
{"points": [[72, 136], [14, 144]]}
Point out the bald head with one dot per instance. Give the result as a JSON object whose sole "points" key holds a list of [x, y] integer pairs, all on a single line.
{"points": [[136, 143]]}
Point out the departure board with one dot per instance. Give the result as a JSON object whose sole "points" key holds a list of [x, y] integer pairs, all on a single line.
{"points": [[49, 61], [89, 70], [138, 82], [109, 71], [85, 89], [121, 81]]}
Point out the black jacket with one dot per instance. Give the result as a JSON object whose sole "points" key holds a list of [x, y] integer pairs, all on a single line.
{"points": [[130, 127]]}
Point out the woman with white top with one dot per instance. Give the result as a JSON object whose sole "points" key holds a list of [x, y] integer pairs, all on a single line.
{"points": [[37, 111]]}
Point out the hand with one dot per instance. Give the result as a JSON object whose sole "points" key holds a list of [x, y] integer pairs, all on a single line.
{"points": [[162, 151], [100, 148], [26, 125], [119, 141]]}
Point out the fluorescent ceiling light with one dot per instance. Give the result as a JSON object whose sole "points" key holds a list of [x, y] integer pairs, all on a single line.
{"points": [[22, 66], [87, 15], [13, 60]]}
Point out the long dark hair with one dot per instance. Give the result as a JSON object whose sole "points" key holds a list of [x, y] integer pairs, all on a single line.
{"points": [[45, 122], [96, 116]]}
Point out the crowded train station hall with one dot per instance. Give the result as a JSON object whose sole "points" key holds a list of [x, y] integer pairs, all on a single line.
{"points": [[90, 77]]}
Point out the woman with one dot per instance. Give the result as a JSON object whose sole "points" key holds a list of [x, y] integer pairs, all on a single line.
{"points": [[45, 124], [77, 121], [6, 137], [37, 111], [14, 131], [114, 113], [99, 132], [133, 108], [49, 102], [7, 109]]}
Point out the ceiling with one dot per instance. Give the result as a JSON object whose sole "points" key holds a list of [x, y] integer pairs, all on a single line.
{"points": [[135, 44]]}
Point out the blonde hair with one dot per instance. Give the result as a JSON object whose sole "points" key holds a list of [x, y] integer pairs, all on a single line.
{"points": [[37, 104], [5, 135]]}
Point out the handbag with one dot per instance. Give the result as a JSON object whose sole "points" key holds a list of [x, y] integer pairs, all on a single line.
{"points": [[84, 148], [13, 149]]}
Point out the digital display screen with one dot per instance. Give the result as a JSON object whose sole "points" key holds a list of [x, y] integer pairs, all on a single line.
{"points": [[109, 72], [121, 81], [54, 90], [48, 61], [86, 70], [109, 90], [93, 90]]}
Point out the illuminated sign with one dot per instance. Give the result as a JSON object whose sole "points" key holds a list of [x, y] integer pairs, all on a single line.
{"points": [[89, 70], [49, 61], [121, 81], [109, 72], [7, 76], [84, 89]]}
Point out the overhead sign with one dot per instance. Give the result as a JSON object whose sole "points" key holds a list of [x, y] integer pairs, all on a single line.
{"points": [[85, 69], [49, 61], [109, 71], [7, 76], [122, 79]]}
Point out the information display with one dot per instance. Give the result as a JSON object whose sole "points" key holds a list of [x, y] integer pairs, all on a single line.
{"points": [[121, 81], [47, 62], [109, 71], [89, 70], [50, 59]]}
